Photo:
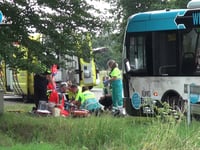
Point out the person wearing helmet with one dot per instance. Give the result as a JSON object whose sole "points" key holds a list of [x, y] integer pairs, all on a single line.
{"points": [[63, 99]]}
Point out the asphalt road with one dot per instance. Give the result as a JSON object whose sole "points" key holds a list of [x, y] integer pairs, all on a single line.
{"points": [[98, 92]]}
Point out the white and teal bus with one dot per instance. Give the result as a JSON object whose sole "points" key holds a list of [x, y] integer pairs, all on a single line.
{"points": [[161, 57]]}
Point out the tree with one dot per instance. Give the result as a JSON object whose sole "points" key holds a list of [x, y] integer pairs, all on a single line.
{"points": [[111, 44], [62, 24]]}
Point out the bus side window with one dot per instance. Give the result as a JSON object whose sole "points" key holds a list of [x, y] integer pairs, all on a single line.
{"points": [[188, 63]]}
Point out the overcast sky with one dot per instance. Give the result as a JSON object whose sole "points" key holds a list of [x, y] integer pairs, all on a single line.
{"points": [[101, 5]]}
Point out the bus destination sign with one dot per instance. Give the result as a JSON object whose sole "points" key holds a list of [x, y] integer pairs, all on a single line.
{"points": [[190, 19]]}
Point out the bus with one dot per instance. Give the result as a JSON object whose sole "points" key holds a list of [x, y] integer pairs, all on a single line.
{"points": [[161, 57]]}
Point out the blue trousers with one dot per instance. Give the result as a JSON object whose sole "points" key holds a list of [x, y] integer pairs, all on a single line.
{"points": [[91, 104]]}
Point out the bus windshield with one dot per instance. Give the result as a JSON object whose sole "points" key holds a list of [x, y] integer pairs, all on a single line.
{"points": [[137, 52]]}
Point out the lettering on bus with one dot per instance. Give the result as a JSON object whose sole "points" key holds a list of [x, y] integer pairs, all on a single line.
{"points": [[196, 18], [190, 19]]}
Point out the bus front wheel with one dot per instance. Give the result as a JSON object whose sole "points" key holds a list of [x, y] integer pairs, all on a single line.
{"points": [[175, 102]]}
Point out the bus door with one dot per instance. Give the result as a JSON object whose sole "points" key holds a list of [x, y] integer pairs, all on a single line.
{"points": [[165, 53]]}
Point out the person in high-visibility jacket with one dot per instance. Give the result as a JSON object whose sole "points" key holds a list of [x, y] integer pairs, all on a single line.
{"points": [[74, 93], [116, 84], [89, 101]]}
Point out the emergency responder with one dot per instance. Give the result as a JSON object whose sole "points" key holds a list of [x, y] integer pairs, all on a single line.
{"points": [[74, 92], [51, 90], [116, 84], [88, 100]]}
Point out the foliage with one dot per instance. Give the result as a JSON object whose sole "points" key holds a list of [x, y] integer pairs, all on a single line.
{"points": [[63, 25], [112, 44], [167, 114], [24, 131]]}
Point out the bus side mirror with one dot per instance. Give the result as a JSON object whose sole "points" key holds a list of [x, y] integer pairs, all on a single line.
{"points": [[127, 65]]}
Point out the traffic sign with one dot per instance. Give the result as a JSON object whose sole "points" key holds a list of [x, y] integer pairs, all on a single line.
{"points": [[1, 16]]}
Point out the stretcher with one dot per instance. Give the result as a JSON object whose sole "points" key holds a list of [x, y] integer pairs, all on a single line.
{"points": [[75, 112]]}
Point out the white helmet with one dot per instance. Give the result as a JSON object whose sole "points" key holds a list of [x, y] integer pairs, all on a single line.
{"points": [[63, 84]]}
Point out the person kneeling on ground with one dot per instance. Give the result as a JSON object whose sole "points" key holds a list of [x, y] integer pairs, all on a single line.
{"points": [[63, 99], [74, 92], [88, 101]]}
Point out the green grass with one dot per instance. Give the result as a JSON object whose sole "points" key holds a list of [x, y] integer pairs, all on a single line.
{"points": [[22, 131]]}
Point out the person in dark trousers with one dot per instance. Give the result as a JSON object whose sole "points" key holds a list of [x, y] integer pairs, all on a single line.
{"points": [[40, 88]]}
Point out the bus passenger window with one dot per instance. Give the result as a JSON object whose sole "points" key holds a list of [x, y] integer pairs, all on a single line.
{"points": [[188, 63], [190, 52]]}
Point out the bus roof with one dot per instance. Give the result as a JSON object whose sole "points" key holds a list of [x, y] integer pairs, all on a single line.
{"points": [[157, 20]]}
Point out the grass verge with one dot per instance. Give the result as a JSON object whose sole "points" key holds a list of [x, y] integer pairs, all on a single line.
{"points": [[27, 132]]}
